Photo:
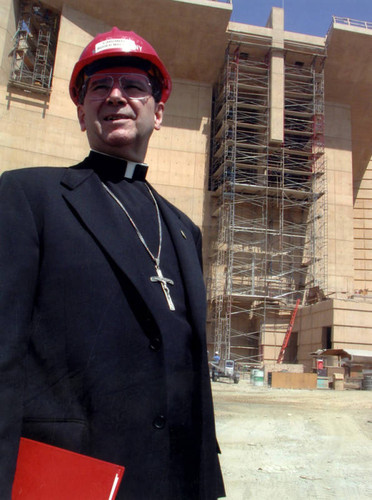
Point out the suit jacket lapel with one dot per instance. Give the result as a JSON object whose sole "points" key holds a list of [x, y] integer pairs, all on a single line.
{"points": [[95, 209]]}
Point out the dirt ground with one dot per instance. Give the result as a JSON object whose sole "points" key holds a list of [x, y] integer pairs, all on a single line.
{"points": [[283, 444]]}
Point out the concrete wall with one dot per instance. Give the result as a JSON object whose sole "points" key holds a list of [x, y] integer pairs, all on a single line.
{"points": [[363, 235], [7, 28], [309, 325], [178, 154], [338, 149], [352, 324], [276, 129]]}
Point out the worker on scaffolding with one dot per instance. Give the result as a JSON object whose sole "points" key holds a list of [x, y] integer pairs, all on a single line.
{"points": [[102, 310]]}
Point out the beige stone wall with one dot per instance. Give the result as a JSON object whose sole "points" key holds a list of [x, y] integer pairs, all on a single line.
{"points": [[363, 235], [352, 324], [39, 132], [340, 200], [7, 27], [178, 153], [309, 324]]}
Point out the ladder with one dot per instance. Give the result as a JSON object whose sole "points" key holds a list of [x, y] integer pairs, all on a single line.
{"points": [[288, 333]]}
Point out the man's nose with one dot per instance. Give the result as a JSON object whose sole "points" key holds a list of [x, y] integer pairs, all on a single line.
{"points": [[116, 94]]}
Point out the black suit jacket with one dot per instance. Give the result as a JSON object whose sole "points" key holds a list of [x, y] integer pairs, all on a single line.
{"points": [[81, 360]]}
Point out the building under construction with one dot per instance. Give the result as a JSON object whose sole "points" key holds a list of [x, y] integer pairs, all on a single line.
{"points": [[266, 145], [268, 182]]}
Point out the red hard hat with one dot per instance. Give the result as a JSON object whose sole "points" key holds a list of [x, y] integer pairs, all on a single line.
{"points": [[116, 43]]}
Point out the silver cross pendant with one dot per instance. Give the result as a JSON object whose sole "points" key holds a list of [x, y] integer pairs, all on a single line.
{"points": [[164, 284]]}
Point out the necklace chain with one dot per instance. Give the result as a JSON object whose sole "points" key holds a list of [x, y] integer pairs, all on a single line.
{"points": [[156, 258], [159, 278]]}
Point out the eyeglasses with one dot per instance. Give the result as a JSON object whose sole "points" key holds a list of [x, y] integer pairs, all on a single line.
{"points": [[132, 85]]}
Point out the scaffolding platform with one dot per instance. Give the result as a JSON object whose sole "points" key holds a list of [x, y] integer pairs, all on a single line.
{"points": [[34, 48]]}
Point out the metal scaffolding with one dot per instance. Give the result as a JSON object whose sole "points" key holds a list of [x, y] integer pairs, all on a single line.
{"points": [[270, 245], [34, 48]]}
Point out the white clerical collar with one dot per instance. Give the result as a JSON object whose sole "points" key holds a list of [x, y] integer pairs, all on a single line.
{"points": [[133, 169]]}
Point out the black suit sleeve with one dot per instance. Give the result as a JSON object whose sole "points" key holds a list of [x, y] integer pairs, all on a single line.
{"points": [[19, 255]]}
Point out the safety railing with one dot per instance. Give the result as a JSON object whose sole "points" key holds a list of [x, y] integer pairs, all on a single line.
{"points": [[346, 21]]}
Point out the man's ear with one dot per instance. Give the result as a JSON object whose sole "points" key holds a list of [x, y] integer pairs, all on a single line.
{"points": [[159, 110], [81, 117]]}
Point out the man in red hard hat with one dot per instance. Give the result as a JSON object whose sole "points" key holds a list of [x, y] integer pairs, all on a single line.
{"points": [[102, 309]]}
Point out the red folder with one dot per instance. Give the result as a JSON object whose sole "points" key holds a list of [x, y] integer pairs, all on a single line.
{"points": [[45, 472]]}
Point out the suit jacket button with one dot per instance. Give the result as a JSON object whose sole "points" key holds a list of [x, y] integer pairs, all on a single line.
{"points": [[155, 344], [159, 422]]}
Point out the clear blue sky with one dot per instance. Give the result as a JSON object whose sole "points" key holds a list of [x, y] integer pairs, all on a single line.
{"points": [[312, 17]]}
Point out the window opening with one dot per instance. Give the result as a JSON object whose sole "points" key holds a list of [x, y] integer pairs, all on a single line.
{"points": [[327, 337]]}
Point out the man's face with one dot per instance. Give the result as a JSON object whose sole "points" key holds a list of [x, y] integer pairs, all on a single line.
{"points": [[117, 125]]}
